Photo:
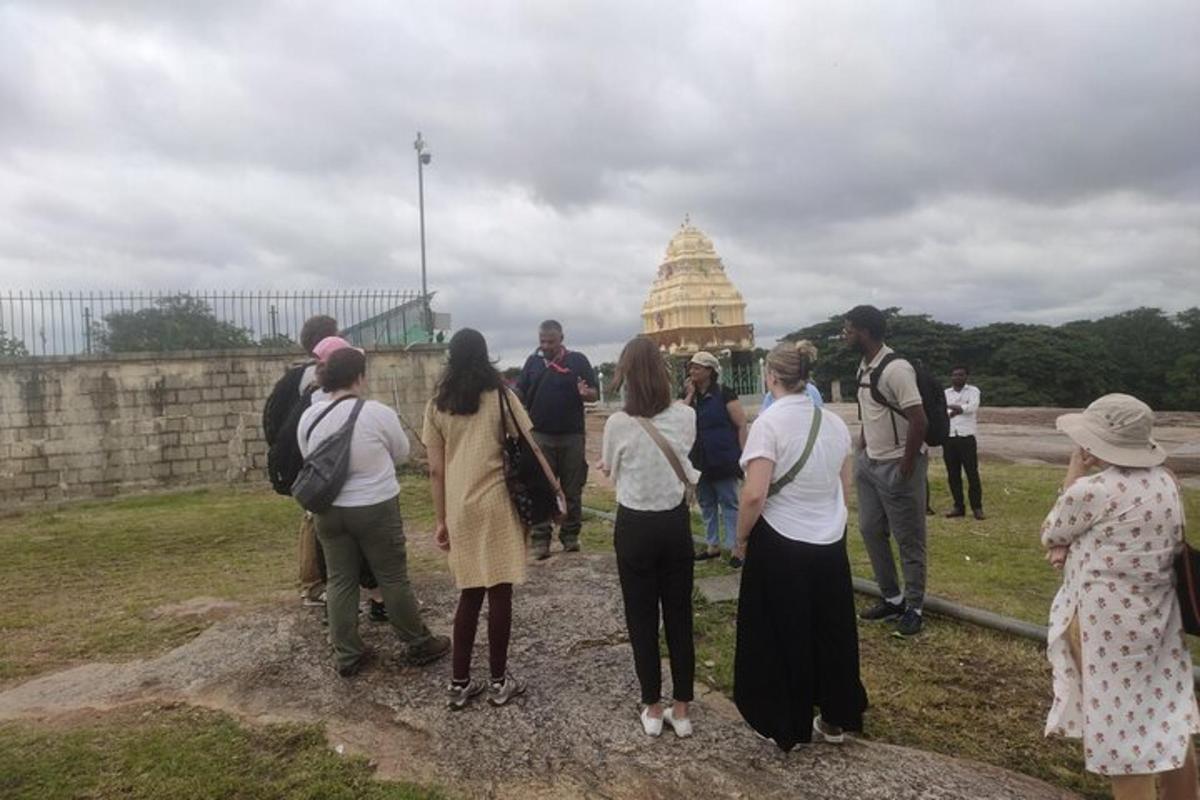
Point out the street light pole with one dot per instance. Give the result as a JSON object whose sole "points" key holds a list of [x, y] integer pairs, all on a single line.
{"points": [[423, 158]]}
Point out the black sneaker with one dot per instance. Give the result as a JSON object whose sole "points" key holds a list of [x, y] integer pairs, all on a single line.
{"points": [[909, 625], [735, 562], [883, 611], [377, 612], [570, 547]]}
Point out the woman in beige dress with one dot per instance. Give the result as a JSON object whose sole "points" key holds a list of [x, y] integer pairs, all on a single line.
{"points": [[478, 527]]}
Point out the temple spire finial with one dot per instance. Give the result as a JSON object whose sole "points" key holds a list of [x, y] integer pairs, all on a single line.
{"points": [[687, 219]]}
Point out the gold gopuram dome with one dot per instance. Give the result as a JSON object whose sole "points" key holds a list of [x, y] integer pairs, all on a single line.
{"points": [[693, 305]]}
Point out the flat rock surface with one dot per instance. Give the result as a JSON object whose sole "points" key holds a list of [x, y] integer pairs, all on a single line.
{"points": [[573, 734]]}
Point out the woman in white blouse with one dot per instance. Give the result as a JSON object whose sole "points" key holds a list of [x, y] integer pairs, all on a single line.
{"points": [[364, 522], [645, 453], [797, 644]]}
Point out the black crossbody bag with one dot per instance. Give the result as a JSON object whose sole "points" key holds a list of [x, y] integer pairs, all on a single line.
{"points": [[534, 494]]}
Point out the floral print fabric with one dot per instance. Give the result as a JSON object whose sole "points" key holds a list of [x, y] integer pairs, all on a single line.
{"points": [[1132, 702]]}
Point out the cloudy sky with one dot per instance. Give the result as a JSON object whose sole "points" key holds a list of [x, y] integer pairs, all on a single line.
{"points": [[1021, 160]]}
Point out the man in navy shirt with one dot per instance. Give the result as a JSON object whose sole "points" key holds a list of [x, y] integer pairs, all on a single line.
{"points": [[554, 384]]}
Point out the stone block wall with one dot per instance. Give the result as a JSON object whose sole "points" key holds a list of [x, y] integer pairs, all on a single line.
{"points": [[99, 426]]}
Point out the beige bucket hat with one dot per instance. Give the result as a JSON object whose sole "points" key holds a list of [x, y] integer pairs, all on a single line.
{"points": [[705, 359], [1115, 428]]}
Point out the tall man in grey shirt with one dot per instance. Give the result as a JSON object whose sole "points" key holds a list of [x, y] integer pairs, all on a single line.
{"points": [[889, 470]]}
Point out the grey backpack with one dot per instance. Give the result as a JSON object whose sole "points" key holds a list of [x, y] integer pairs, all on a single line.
{"points": [[325, 468]]}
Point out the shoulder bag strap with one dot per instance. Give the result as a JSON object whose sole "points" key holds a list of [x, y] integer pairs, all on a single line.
{"points": [[506, 410], [808, 448], [503, 429], [506, 405], [665, 447], [321, 416]]}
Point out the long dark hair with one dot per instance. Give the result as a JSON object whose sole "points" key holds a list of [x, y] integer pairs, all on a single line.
{"points": [[642, 370], [467, 375]]}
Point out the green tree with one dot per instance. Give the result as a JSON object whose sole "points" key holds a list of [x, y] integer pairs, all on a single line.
{"points": [[1183, 378], [1143, 352], [915, 336], [1139, 349], [280, 341], [1035, 365], [177, 322], [11, 346]]}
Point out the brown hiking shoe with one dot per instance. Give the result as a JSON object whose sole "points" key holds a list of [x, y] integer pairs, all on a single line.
{"points": [[427, 650]]}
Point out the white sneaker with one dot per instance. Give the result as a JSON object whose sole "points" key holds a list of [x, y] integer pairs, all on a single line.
{"points": [[651, 725], [820, 735], [682, 727]]}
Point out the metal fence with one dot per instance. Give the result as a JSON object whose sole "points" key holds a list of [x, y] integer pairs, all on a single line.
{"points": [[44, 323], [745, 380]]}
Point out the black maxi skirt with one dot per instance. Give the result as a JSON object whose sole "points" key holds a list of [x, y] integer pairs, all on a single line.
{"points": [[797, 638]]}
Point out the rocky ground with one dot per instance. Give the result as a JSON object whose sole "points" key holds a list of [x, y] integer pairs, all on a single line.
{"points": [[574, 734]]}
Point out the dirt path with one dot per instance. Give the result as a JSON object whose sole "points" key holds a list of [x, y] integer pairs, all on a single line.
{"points": [[574, 734]]}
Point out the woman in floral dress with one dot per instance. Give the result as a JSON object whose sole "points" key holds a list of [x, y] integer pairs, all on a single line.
{"points": [[1122, 669]]}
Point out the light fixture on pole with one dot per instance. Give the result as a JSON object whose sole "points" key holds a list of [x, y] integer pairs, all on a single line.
{"points": [[423, 158]]}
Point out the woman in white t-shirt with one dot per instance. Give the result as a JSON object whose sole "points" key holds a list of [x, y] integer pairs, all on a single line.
{"points": [[653, 535], [797, 643], [364, 521]]}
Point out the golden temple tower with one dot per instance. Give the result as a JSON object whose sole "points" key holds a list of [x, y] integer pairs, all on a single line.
{"points": [[693, 305]]}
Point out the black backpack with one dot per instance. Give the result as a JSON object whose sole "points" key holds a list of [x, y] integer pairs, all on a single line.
{"points": [[933, 400], [281, 418]]}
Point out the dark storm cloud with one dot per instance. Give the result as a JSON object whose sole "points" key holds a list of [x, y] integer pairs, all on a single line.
{"points": [[1030, 161]]}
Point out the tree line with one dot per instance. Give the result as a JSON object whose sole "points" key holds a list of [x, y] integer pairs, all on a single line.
{"points": [[174, 322], [1145, 352]]}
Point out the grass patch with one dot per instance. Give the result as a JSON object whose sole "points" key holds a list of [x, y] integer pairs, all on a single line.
{"points": [[957, 689], [996, 564], [80, 582], [186, 753]]}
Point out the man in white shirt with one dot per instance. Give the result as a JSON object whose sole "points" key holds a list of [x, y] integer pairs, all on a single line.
{"points": [[960, 451]]}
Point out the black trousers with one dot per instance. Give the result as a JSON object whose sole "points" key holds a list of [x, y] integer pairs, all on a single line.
{"points": [[654, 562], [960, 453]]}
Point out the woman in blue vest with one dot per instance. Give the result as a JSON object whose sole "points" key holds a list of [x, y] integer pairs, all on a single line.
{"points": [[720, 436]]}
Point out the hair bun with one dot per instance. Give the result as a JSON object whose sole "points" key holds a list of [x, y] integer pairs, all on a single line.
{"points": [[807, 349]]}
